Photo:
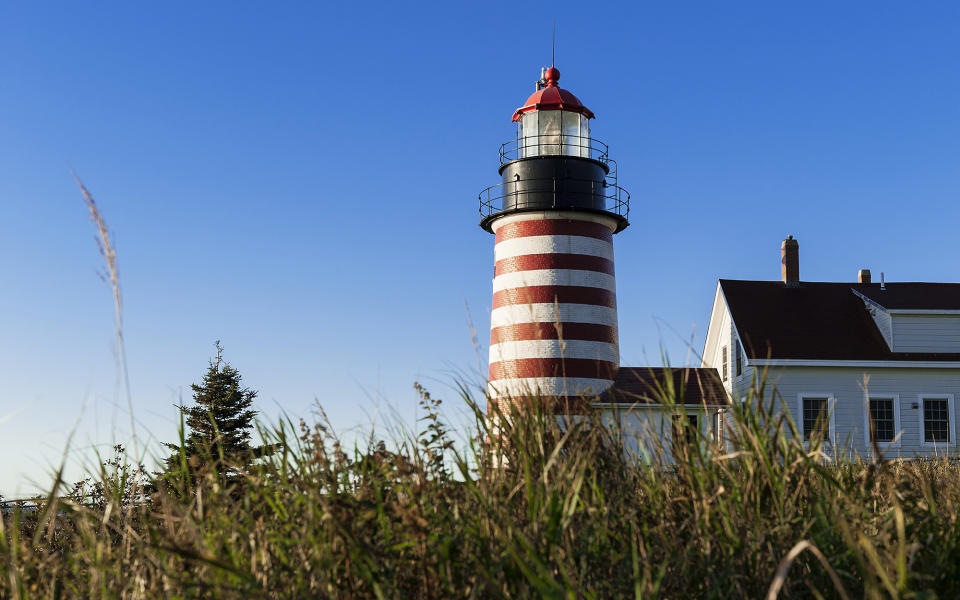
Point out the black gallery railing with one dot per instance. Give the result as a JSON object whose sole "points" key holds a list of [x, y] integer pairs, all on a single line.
{"points": [[555, 193], [556, 144]]}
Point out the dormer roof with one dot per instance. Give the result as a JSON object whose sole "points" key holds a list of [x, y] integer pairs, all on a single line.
{"points": [[914, 295]]}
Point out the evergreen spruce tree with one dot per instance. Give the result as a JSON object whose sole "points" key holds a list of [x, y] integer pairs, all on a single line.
{"points": [[220, 421]]}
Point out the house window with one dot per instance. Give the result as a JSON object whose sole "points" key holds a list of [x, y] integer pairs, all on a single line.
{"points": [[883, 421], [718, 427], [815, 415], [693, 426], [738, 357], [685, 428], [936, 420], [723, 352]]}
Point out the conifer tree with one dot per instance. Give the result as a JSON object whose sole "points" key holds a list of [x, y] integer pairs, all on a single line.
{"points": [[220, 421]]}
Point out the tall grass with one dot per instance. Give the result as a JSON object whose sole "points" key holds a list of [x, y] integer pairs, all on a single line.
{"points": [[537, 508]]}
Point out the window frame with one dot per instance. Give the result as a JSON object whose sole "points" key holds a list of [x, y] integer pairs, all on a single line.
{"points": [[831, 411], [682, 434], [682, 427], [897, 427], [951, 421], [725, 362], [717, 425]]}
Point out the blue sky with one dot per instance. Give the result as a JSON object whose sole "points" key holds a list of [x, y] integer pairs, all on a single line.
{"points": [[300, 182]]}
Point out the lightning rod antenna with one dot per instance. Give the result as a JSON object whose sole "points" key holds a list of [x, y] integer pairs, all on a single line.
{"points": [[553, 52]]}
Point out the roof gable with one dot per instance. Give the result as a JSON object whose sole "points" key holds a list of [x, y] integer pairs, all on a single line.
{"points": [[717, 316]]}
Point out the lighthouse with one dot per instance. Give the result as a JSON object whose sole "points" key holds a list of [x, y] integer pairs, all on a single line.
{"points": [[553, 324]]}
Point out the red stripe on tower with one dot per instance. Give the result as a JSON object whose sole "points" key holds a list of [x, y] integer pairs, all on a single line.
{"points": [[561, 294], [553, 331], [553, 367], [554, 227], [536, 262]]}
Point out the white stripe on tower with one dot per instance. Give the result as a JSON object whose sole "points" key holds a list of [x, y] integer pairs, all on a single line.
{"points": [[565, 348], [565, 277], [552, 244], [553, 313], [553, 328]]}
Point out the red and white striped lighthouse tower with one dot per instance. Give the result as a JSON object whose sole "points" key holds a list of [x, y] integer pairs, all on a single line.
{"points": [[553, 327]]}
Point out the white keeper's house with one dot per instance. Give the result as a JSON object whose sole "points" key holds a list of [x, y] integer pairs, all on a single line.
{"points": [[845, 355]]}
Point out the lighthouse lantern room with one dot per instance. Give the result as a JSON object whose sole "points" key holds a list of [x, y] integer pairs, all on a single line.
{"points": [[553, 329]]}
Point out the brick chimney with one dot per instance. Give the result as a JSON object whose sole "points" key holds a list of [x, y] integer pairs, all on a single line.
{"points": [[790, 262], [863, 276]]}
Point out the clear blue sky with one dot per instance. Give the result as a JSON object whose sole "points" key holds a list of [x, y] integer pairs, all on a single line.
{"points": [[300, 182]]}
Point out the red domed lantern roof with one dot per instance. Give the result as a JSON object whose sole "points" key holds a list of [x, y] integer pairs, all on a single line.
{"points": [[551, 97]]}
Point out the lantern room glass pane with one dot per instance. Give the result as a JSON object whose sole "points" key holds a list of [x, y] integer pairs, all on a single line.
{"points": [[529, 140], [571, 133], [550, 132], [584, 136]]}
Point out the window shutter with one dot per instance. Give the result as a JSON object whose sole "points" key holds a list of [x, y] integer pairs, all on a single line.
{"points": [[738, 357]]}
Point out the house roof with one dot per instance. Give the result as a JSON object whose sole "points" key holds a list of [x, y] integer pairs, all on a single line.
{"points": [[914, 296], [647, 385], [826, 321]]}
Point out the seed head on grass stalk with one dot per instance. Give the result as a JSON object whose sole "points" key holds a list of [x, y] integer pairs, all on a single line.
{"points": [[111, 277]]}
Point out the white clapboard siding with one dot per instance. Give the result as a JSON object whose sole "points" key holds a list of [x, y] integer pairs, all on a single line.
{"points": [[647, 430], [926, 333], [713, 342], [883, 321], [846, 385]]}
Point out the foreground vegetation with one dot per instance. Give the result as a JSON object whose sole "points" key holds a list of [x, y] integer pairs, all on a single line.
{"points": [[540, 512]]}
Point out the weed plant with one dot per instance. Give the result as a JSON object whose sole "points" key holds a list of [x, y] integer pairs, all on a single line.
{"points": [[534, 507]]}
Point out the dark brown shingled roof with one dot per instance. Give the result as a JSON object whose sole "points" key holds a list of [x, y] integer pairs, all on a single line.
{"points": [[641, 385], [823, 321], [914, 296]]}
